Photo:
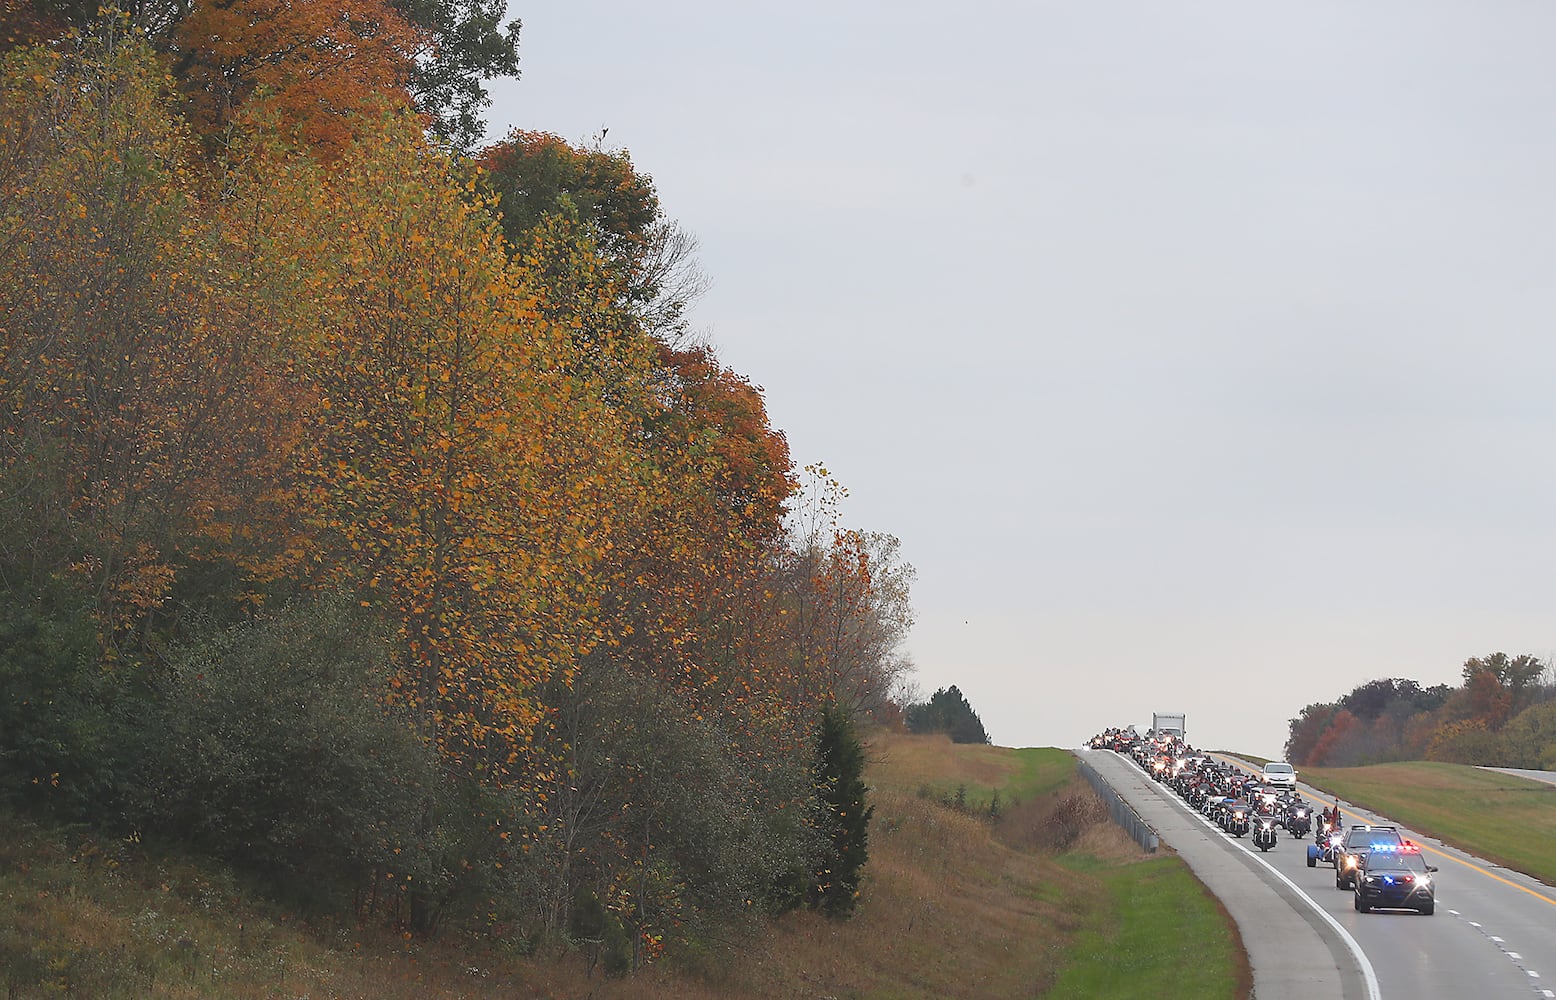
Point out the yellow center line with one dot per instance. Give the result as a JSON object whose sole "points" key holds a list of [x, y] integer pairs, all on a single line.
{"points": [[1425, 847]]}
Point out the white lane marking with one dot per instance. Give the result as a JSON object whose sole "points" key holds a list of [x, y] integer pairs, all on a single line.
{"points": [[1370, 976], [1548, 993], [1454, 912], [1532, 974], [1493, 937]]}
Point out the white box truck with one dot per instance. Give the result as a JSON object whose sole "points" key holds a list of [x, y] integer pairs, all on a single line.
{"points": [[1168, 723]]}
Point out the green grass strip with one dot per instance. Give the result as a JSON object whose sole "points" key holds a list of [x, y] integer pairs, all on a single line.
{"points": [[1043, 769], [1159, 935]]}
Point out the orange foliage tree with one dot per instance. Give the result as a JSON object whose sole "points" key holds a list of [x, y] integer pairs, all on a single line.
{"points": [[147, 418], [317, 63], [464, 483]]}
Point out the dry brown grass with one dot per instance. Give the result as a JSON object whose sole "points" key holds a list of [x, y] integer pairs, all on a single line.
{"points": [[905, 761]]}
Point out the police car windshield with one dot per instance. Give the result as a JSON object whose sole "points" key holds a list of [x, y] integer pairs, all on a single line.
{"points": [[1361, 837], [1395, 861]]}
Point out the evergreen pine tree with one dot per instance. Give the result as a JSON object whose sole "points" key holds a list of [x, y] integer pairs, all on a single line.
{"points": [[841, 787], [949, 712]]}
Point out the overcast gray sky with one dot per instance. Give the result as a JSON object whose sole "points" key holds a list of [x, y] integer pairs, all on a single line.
{"points": [[1200, 354]]}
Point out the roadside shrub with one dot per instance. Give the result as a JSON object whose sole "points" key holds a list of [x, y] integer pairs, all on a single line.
{"points": [[670, 818], [1069, 817], [58, 725], [269, 747]]}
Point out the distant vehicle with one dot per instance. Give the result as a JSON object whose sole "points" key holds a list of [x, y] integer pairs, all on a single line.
{"points": [[1395, 878], [1168, 723], [1278, 772]]}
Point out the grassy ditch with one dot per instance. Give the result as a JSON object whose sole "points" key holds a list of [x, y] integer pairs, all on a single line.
{"points": [[1050, 896], [1502, 818], [1161, 934], [1131, 924]]}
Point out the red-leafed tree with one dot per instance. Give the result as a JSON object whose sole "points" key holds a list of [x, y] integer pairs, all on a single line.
{"points": [[1306, 729], [1342, 728]]}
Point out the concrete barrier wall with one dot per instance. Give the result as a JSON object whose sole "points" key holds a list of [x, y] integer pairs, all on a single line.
{"points": [[1122, 812]]}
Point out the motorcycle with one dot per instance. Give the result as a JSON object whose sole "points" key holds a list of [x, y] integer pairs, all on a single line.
{"points": [[1237, 820], [1264, 833], [1298, 821], [1323, 850]]}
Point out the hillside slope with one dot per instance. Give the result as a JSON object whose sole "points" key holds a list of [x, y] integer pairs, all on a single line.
{"points": [[1045, 897]]}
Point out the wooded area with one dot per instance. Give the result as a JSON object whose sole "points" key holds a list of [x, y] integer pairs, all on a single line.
{"points": [[1503, 714], [368, 516]]}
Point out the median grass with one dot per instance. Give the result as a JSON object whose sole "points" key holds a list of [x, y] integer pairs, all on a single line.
{"points": [[954, 905], [1499, 817], [1161, 934]]}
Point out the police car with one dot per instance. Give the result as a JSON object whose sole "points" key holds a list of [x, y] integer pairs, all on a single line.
{"points": [[1395, 876], [1360, 840]]}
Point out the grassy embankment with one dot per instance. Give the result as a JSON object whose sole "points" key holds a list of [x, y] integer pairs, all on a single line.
{"points": [[1499, 817], [1050, 899]]}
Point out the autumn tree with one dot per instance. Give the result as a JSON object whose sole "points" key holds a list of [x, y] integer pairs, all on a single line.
{"points": [[651, 260], [316, 64], [467, 483], [147, 415], [322, 59], [1529, 738], [1306, 730], [1465, 741]]}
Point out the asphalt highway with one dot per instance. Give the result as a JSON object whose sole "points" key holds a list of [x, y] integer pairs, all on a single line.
{"points": [[1493, 935]]}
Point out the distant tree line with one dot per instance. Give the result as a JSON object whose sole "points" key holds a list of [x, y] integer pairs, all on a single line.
{"points": [[1503, 713]]}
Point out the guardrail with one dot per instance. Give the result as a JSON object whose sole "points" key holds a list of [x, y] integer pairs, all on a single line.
{"points": [[1122, 812]]}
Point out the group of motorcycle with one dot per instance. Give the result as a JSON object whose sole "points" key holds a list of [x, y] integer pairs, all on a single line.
{"points": [[1232, 798]]}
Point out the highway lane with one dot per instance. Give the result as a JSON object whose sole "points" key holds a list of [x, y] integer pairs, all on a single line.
{"points": [[1493, 935]]}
